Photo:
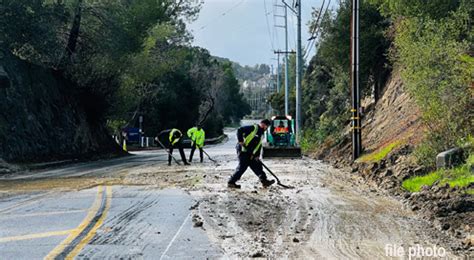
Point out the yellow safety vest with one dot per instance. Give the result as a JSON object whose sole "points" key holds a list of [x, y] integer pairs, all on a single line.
{"points": [[197, 136], [174, 130], [249, 138]]}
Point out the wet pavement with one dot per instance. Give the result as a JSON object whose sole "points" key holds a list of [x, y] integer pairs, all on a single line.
{"points": [[138, 208], [138, 223]]}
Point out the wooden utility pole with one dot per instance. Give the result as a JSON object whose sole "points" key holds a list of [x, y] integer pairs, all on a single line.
{"points": [[299, 72], [355, 89]]}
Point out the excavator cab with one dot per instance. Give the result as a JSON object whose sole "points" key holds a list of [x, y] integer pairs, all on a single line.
{"points": [[281, 139]]}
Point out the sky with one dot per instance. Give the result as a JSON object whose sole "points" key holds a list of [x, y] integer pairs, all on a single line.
{"points": [[238, 29]]}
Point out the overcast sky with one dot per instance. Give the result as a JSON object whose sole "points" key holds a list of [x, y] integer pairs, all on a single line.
{"points": [[238, 30]]}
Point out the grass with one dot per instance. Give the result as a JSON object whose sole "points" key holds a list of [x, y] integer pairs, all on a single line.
{"points": [[415, 183], [460, 176], [381, 153]]}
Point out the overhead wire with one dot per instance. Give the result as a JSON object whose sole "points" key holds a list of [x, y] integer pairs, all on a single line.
{"points": [[314, 36], [268, 25], [275, 23], [222, 14]]}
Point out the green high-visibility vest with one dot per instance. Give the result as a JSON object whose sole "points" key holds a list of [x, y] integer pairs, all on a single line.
{"points": [[249, 138], [197, 136], [174, 130]]}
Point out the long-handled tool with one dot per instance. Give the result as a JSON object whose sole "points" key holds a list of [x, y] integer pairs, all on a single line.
{"points": [[214, 161], [276, 178], [162, 146]]}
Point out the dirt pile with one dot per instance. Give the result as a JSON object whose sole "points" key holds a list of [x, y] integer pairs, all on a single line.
{"points": [[450, 210]]}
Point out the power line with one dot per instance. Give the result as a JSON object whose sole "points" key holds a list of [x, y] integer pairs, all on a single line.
{"points": [[222, 14], [316, 30], [316, 25], [274, 23], [268, 25]]}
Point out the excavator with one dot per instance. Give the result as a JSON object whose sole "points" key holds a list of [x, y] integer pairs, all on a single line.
{"points": [[280, 139]]}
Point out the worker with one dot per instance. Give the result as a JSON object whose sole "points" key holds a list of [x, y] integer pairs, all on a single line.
{"points": [[281, 129], [197, 136], [175, 141], [248, 151]]}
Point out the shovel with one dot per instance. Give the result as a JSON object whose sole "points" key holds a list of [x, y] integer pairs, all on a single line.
{"points": [[214, 161], [276, 178], [162, 146]]}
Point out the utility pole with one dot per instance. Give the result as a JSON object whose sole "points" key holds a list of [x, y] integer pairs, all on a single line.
{"points": [[278, 52], [287, 80], [271, 77], [355, 110], [278, 73], [299, 72], [299, 65]]}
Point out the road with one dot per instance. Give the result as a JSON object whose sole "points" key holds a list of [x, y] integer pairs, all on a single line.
{"points": [[139, 208]]}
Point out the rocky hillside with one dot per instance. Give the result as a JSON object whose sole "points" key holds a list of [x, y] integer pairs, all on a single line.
{"points": [[42, 119], [393, 122], [392, 127]]}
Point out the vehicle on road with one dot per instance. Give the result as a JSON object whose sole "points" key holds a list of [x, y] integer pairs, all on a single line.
{"points": [[281, 139]]}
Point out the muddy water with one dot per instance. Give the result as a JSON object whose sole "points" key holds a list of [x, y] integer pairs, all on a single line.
{"points": [[327, 215]]}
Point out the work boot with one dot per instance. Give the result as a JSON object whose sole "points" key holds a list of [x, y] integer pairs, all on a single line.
{"points": [[186, 163], [266, 183], [233, 185]]}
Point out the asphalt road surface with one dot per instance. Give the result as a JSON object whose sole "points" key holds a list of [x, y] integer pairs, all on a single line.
{"points": [[137, 207]]}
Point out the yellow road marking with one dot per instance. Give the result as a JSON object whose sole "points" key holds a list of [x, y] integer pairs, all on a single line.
{"points": [[92, 232], [76, 232], [42, 214], [33, 236]]}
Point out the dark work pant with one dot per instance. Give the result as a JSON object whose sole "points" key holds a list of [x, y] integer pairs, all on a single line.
{"points": [[179, 146], [244, 163], [192, 153]]}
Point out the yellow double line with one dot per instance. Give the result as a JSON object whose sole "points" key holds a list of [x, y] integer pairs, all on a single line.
{"points": [[80, 236]]}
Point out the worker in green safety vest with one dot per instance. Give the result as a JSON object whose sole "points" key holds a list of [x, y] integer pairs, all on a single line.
{"points": [[175, 138], [197, 136], [248, 151]]}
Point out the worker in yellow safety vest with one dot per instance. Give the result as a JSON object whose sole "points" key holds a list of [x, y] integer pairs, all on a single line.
{"points": [[175, 138], [248, 151], [197, 136]]}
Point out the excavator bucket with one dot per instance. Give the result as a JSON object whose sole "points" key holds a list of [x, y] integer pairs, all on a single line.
{"points": [[281, 152]]}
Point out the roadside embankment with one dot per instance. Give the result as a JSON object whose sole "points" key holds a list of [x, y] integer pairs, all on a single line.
{"points": [[392, 128], [41, 118]]}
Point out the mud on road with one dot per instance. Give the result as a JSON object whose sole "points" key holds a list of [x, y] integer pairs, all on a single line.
{"points": [[328, 215]]}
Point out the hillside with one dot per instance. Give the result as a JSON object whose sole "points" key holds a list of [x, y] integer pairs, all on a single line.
{"points": [[394, 121], [256, 85], [416, 87], [42, 118], [392, 129]]}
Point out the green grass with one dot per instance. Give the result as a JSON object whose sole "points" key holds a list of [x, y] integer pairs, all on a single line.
{"points": [[460, 176], [415, 183], [381, 153], [470, 191]]}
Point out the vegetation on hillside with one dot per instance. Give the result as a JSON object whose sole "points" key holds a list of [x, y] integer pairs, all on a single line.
{"points": [[128, 58], [326, 86], [433, 47], [431, 44]]}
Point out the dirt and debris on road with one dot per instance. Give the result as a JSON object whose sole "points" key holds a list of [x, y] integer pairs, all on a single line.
{"points": [[325, 216], [328, 215]]}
